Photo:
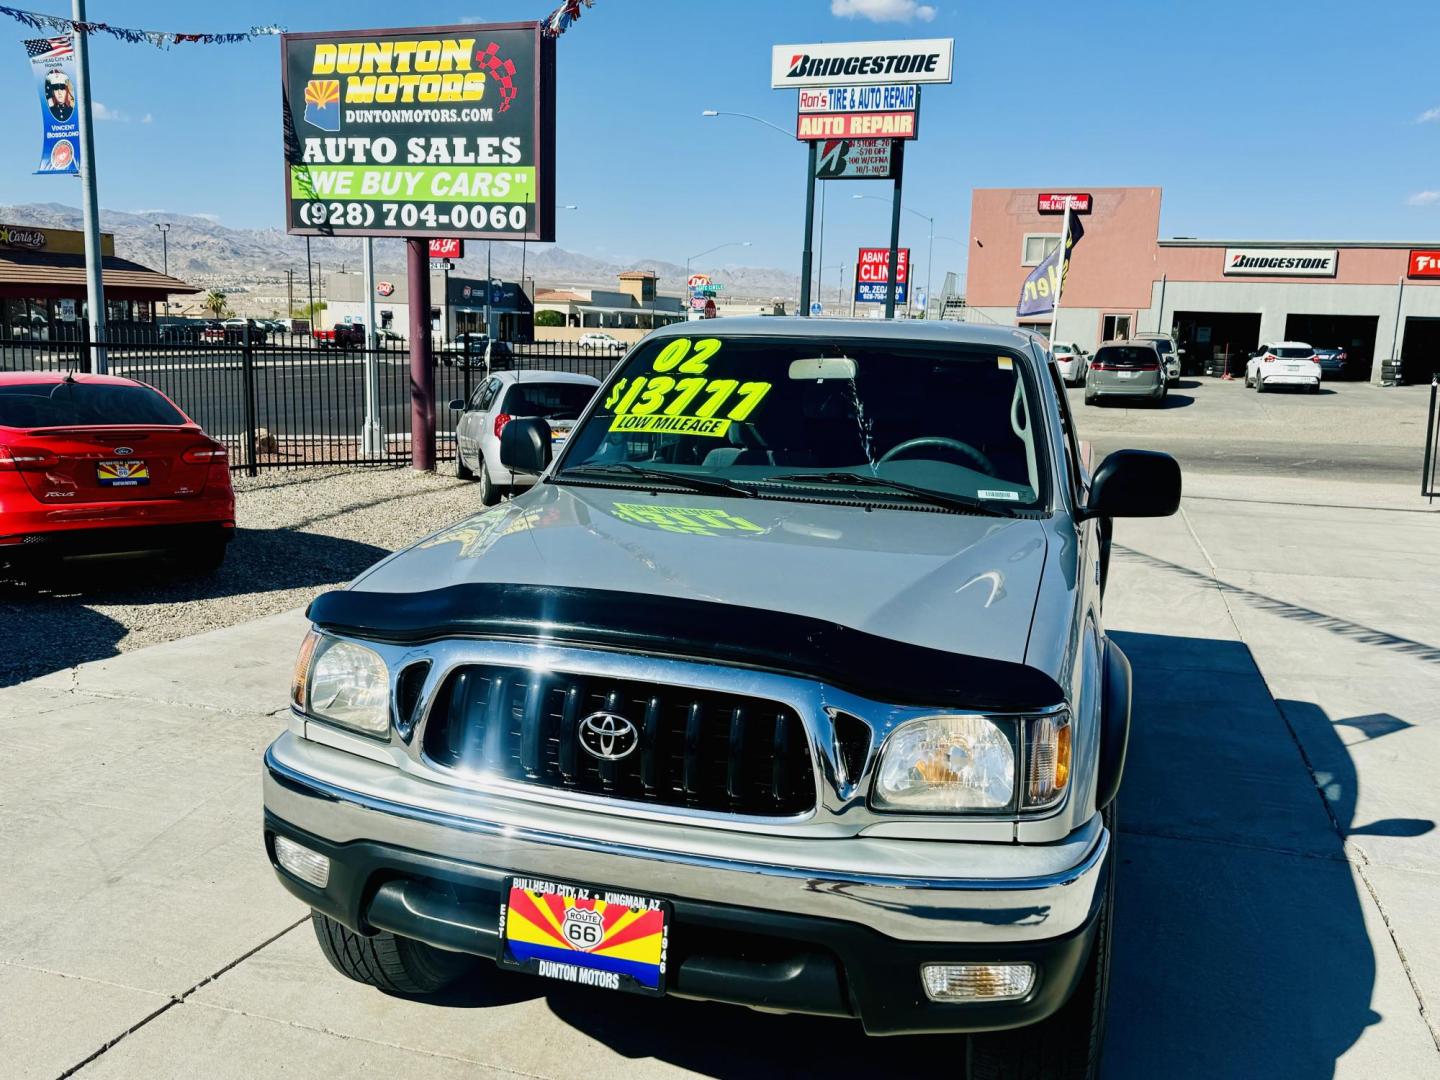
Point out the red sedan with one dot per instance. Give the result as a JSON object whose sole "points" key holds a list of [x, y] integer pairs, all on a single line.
{"points": [[97, 465]]}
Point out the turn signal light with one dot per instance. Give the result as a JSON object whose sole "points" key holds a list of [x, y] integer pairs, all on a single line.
{"points": [[500, 422], [976, 982], [309, 866]]}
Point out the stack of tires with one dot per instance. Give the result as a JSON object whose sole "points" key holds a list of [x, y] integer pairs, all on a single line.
{"points": [[1391, 373]]}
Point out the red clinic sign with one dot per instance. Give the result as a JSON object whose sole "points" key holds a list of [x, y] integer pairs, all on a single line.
{"points": [[873, 265], [1425, 264], [447, 247], [1054, 202]]}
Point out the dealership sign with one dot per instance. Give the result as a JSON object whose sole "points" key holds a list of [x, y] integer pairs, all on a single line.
{"points": [[855, 159], [861, 125], [872, 275], [1281, 262], [1048, 202], [443, 132], [862, 63], [1425, 264]]}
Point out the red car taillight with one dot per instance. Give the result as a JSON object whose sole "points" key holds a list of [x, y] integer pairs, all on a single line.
{"points": [[205, 454], [1268, 357], [500, 422], [1314, 359], [26, 459]]}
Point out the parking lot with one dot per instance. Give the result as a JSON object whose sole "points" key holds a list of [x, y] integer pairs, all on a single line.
{"points": [[1278, 851]]}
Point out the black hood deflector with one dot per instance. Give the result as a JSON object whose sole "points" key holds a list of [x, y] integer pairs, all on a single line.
{"points": [[776, 641]]}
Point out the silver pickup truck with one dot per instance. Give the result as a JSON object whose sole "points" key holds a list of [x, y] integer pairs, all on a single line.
{"points": [[787, 687]]}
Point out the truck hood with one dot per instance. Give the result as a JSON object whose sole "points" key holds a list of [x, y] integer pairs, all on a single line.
{"points": [[958, 583]]}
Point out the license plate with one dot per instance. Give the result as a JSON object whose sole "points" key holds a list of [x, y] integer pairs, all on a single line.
{"points": [[1128, 374], [557, 437], [122, 473], [583, 934]]}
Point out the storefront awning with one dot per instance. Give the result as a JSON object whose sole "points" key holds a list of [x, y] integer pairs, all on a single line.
{"points": [[40, 274]]}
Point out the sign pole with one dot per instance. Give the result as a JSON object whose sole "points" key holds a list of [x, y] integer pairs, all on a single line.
{"points": [[371, 438], [805, 254], [94, 281], [422, 368], [1060, 286], [892, 272]]}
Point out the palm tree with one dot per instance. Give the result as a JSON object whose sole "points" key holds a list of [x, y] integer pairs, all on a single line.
{"points": [[216, 302]]}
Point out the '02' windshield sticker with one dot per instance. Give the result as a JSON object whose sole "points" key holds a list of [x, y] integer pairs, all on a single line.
{"points": [[685, 402]]}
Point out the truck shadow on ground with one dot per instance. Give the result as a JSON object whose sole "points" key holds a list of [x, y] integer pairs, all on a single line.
{"points": [[58, 619], [1241, 948]]}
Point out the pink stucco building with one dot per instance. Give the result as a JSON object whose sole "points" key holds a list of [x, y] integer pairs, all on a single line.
{"points": [[1219, 298]]}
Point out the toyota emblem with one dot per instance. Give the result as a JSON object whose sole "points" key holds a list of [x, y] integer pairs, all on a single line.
{"points": [[608, 736]]}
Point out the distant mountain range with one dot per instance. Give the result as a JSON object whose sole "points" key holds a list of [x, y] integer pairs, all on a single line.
{"points": [[249, 264]]}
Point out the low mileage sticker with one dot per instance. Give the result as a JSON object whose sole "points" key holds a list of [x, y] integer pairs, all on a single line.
{"points": [[687, 402]]}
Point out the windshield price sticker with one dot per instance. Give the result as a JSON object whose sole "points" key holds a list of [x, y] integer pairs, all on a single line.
{"points": [[686, 402]]}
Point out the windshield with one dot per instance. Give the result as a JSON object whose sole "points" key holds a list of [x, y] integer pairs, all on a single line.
{"points": [[954, 420], [72, 404], [553, 401]]}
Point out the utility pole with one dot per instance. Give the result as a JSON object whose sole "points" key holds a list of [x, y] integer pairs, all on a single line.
{"points": [[94, 282], [165, 255], [289, 292]]}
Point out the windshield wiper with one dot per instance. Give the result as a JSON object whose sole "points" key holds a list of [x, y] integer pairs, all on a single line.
{"points": [[962, 503], [712, 484]]}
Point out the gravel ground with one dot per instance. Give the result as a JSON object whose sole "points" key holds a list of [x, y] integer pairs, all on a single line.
{"points": [[300, 532]]}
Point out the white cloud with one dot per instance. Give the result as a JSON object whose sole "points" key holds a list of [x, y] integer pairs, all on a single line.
{"points": [[472, 18], [1424, 198], [147, 119], [101, 111], [208, 217], [882, 10], [1428, 115]]}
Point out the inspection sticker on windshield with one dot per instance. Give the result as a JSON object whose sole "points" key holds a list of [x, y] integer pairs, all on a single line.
{"points": [[1004, 363], [585, 935], [1009, 496]]}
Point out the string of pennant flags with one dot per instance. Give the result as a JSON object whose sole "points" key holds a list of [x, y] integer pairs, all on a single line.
{"points": [[161, 39], [553, 25]]}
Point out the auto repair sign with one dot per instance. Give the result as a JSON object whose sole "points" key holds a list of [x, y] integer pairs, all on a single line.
{"points": [[872, 274], [1425, 264], [862, 63], [1281, 262], [435, 131]]}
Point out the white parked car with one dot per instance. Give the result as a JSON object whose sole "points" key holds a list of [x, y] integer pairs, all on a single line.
{"points": [[1283, 363], [608, 342], [1169, 354], [558, 397], [1071, 361]]}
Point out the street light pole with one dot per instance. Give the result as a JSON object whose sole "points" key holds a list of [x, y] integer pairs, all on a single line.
{"points": [[94, 279], [165, 257]]}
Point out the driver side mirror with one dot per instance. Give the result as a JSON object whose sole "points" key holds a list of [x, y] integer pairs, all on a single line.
{"points": [[525, 445], [1134, 483]]}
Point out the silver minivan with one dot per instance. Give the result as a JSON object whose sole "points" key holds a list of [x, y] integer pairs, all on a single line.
{"points": [[1126, 369]]}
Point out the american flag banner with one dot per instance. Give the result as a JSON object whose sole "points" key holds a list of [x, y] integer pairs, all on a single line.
{"points": [[50, 48], [52, 59]]}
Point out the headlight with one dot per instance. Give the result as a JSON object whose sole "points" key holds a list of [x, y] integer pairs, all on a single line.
{"points": [[349, 686], [947, 763]]}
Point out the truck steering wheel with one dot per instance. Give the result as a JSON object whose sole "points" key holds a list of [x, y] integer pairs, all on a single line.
{"points": [[926, 441]]}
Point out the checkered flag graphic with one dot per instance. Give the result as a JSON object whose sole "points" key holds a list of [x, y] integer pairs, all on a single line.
{"points": [[502, 71]]}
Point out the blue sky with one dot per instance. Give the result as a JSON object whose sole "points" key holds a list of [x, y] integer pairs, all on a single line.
{"points": [[1277, 119]]}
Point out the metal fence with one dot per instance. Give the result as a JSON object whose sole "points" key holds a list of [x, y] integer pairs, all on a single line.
{"points": [[289, 402]]}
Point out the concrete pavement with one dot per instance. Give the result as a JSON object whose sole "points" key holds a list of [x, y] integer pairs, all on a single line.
{"points": [[1279, 858]]}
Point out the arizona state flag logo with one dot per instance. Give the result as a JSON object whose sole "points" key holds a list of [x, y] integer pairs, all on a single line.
{"points": [[322, 104]]}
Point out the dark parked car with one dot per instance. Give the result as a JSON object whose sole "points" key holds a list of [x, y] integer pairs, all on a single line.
{"points": [[1334, 362], [469, 350], [186, 333]]}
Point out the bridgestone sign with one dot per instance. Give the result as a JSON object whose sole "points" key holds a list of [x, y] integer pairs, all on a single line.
{"points": [[861, 63], [1281, 262]]}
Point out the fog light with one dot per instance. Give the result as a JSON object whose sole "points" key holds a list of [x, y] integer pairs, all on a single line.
{"points": [[977, 982], [305, 864]]}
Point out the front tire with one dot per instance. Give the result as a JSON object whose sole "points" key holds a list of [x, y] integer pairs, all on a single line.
{"points": [[387, 961], [1067, 1045]]}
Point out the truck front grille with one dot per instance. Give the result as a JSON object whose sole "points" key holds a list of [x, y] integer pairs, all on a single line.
{"points": [[667, 745]]}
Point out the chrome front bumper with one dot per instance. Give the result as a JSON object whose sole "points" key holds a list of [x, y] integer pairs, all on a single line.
{"points": [[906, 889]]}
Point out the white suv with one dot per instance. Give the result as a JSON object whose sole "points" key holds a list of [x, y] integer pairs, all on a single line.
{"points": [[1071, 361], [1169, 354], [1284, 363]]}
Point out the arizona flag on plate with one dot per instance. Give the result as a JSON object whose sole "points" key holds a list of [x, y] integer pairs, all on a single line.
{"points": [[586, 936]]}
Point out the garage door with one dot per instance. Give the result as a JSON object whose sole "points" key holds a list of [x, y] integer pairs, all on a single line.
{"points": [[1420, 349], [1353, 333]]}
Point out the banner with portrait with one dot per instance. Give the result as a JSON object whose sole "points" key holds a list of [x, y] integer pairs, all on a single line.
{"points": [[53, 62]]}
